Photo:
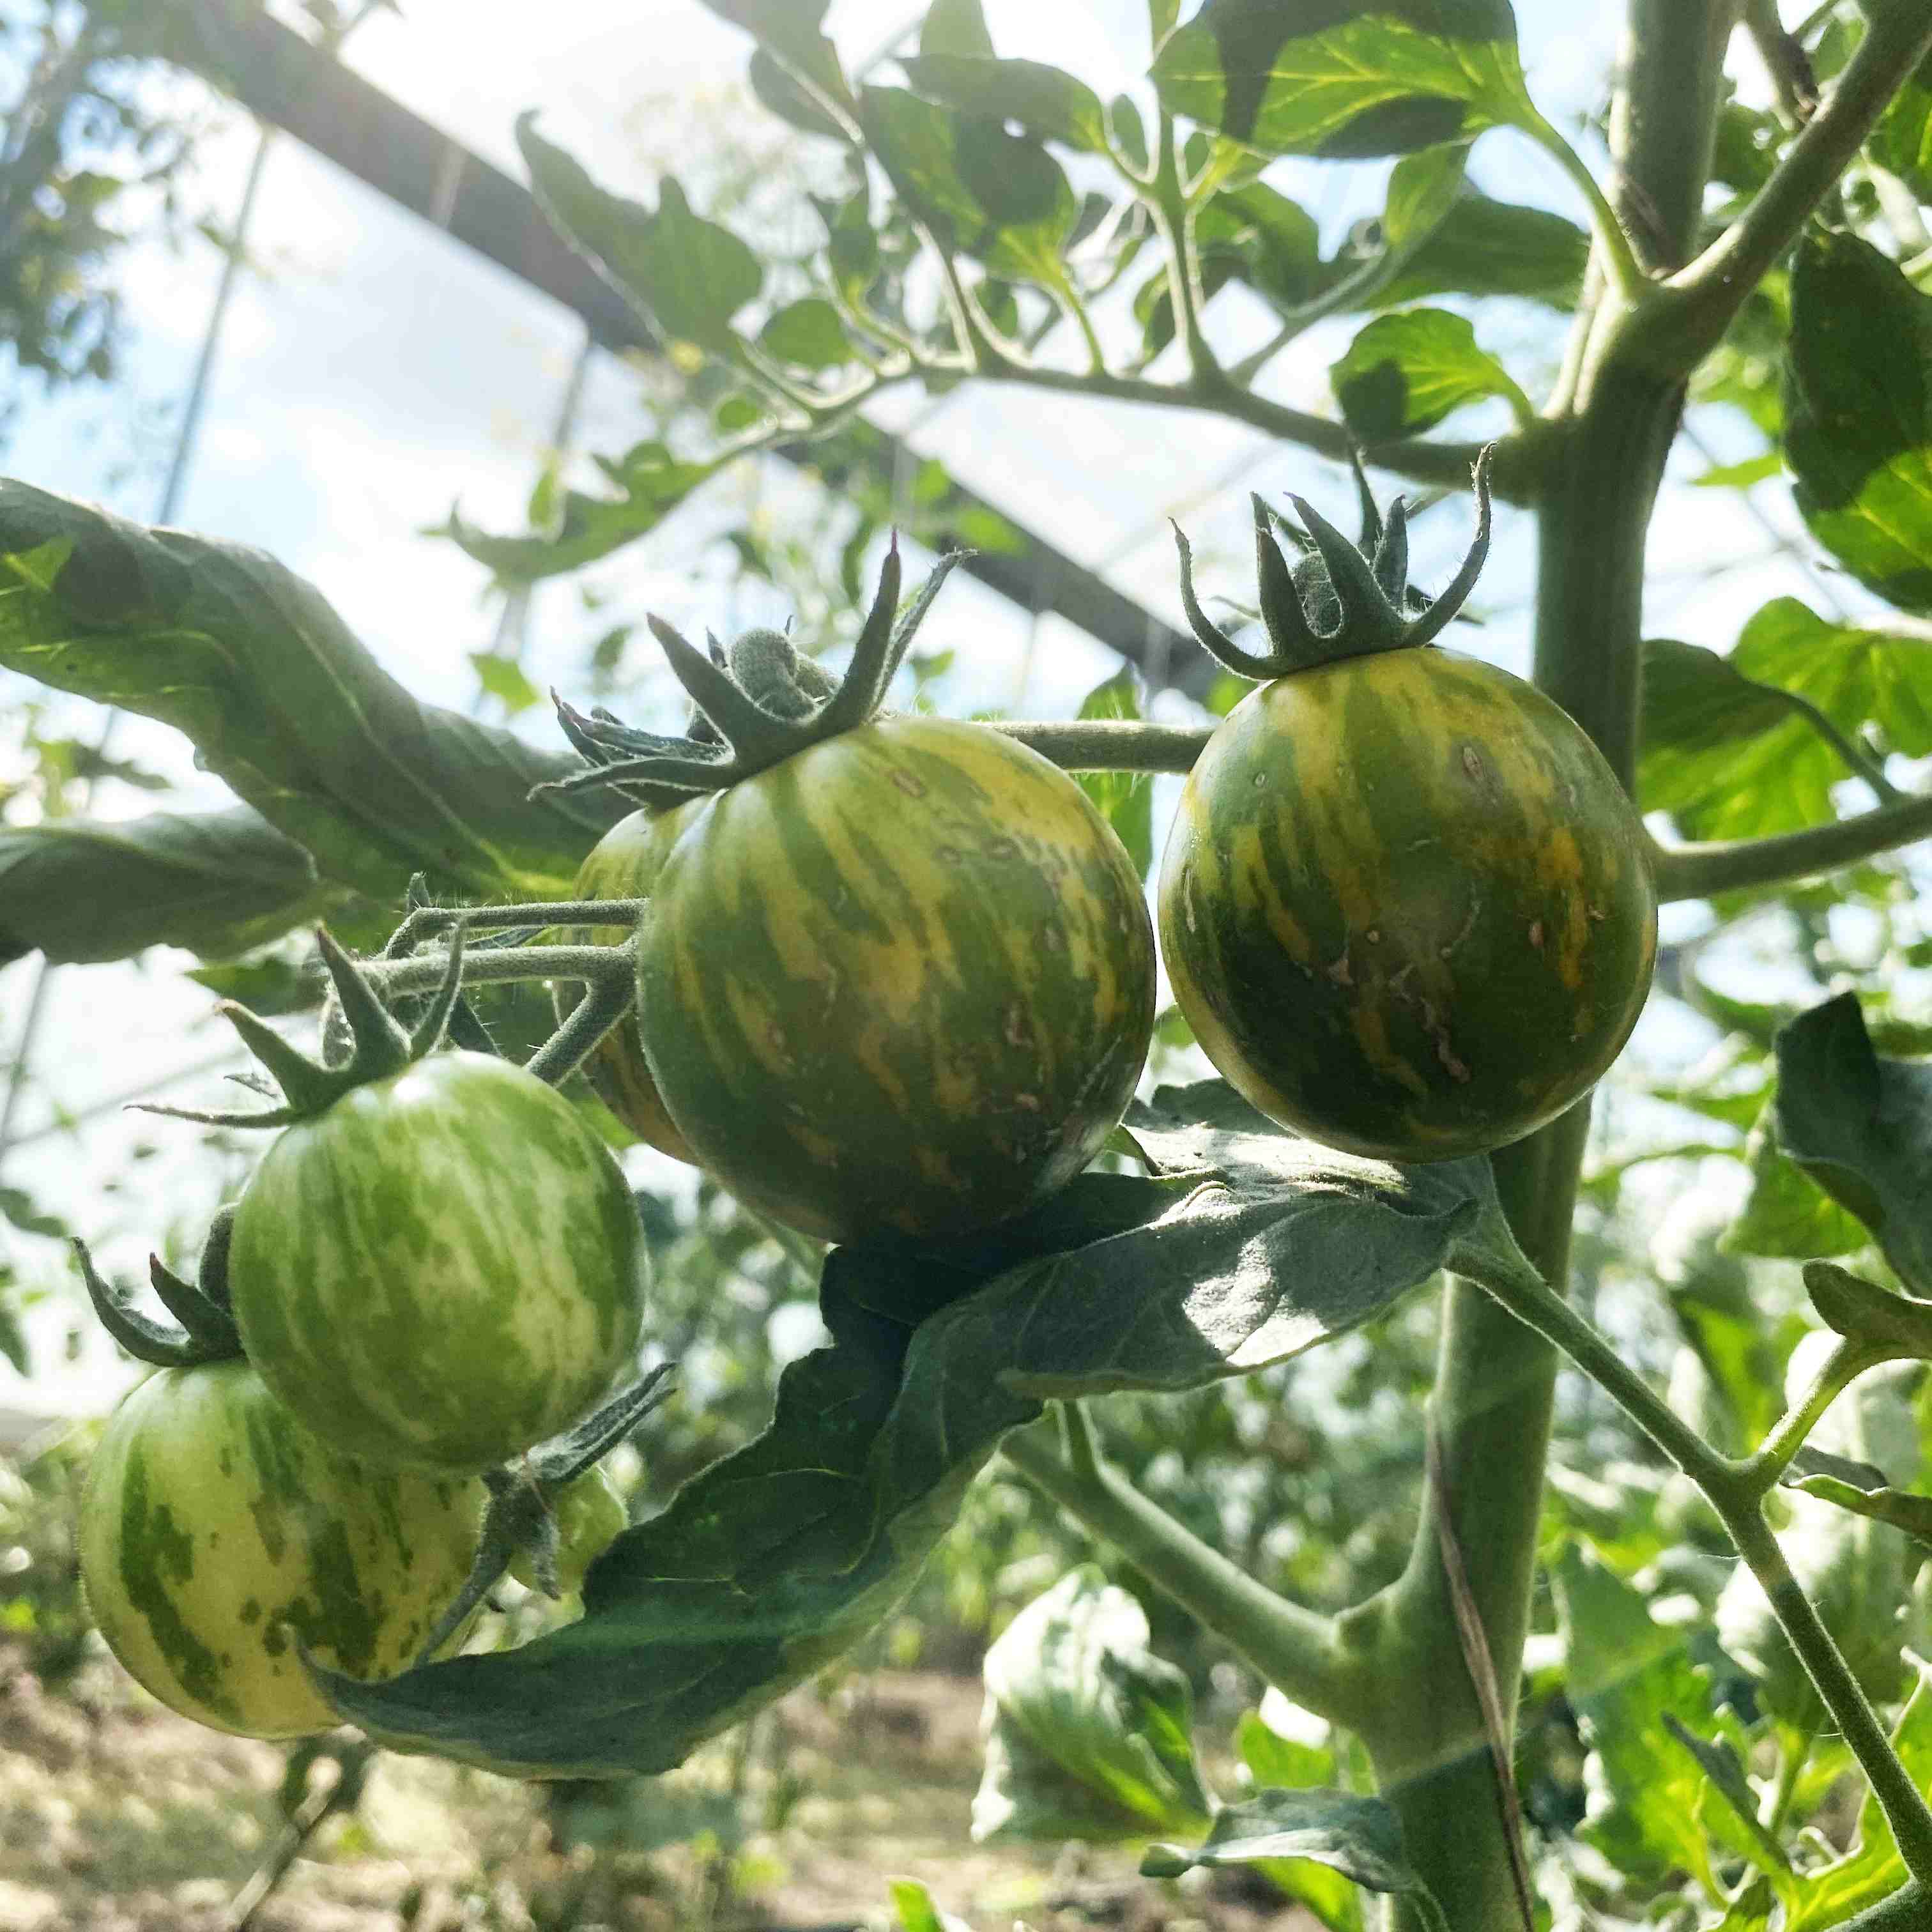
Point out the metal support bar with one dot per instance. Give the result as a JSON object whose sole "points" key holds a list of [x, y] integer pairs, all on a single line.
{"points": [[280, 77]]}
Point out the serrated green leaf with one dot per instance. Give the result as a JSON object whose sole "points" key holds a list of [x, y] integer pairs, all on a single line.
{"points": [[282, 704], [1404, 373], [1349, 79], [1861, 1128], [684, 275], [1626, 1674], [777, 1559], [1125, 799], [218, 883], [808, 333], [1088, 1734], [1857, 400]]}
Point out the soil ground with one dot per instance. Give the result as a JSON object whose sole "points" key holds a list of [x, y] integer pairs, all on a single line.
{"points": [[116, 1816]]}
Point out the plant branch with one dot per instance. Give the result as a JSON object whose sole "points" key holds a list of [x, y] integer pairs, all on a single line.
{"points": [[1699, 871], [1785, 61], [1708, 293], [1626, 273], [1109, 744], [1173, 222], [423, 973], [1301, 1652], [1846, 1362], [1735, 1491]]}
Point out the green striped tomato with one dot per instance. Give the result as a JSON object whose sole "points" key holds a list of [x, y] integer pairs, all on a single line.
{"points": [[442, 1269], [1406, 907], [215, 1531], [624, 865], [901, 983]]}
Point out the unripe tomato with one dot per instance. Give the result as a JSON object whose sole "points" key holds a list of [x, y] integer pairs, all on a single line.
{"points": [[440, 1270], [901, 982], [1406, 906], [589, 1515], [624, 865], [215, 1531]]}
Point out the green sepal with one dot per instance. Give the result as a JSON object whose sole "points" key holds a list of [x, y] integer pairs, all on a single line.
{"points": [[521, 1515], [1338, 599], [206, 1334], [379, 1046], [762, 697]]}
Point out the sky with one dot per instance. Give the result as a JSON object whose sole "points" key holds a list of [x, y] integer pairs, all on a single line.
{"points": [[371, 372]]}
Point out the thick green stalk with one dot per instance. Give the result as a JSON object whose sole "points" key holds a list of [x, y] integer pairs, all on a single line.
{"points": [[1597, 482]]}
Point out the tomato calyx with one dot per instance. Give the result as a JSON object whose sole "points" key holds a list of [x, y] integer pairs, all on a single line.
{"points": [[521, 1515], [757, 702], [206, 1330], [380, 1044], [1340, 599]]}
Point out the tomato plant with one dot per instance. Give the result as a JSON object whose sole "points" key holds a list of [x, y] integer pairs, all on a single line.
{"points": [[887, 984], [216, 1534]]}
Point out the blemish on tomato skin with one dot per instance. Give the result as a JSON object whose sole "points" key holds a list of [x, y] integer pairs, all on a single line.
{"points": [[913, 786], [1536, 934]]}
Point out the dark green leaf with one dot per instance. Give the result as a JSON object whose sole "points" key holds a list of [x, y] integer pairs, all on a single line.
{"points": [[651, 483], [684, 275], [809, 335], [218, 883], [1403, 373], [1249, 1247], [18, 1209], [1859, 413], [1882, 1503], [1088, 1734], [792, 31], [1124, 799], [1046, 102], [1853, 1306], [1861, 1128], [1360, 1838], [999, 197], [282, 702], [1483, 246], [1786, 1215], [1345, 77]]}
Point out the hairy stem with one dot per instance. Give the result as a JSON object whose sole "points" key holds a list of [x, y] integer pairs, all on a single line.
{"points": [[1626, 273], [1722, 865], [423, 973], [1308, 1656], [1709, 293], [1110, 744]]}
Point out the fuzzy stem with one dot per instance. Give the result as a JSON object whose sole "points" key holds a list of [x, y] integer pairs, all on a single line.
{"points": [[1307, 1655], [1722, 865], [1109, 744], [1710, 292], [423, 973], [1626, 272]]}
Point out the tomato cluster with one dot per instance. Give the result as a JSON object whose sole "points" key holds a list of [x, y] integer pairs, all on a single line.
{"points": [[894, 982], [430, 1271]]}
